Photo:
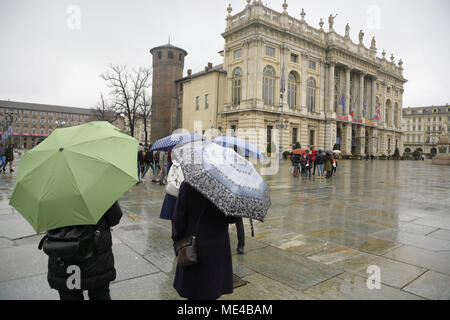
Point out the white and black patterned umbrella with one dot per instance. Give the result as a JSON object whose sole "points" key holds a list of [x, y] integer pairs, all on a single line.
{"points": [[225, 178]]}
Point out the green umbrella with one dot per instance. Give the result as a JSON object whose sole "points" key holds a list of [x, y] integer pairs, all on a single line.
{"points": [[74, 176]]}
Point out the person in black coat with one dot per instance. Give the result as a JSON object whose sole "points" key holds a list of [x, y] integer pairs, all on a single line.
{"points": [[148, 160], [213, 275], [96, 272], [9, 158]]}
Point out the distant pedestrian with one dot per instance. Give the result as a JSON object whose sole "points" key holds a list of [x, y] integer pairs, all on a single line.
{"points": [[148, 161], [367, 157], [328, 165], [296, 164], [334, 162], [314, 161], [155, 166], [9, 158], [307, 160], [320, 160], [140, 161], [2, 157], [212, 276], [91, 254]]}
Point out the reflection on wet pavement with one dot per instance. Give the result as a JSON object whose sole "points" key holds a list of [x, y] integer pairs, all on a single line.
{"points": [[318, 240]]}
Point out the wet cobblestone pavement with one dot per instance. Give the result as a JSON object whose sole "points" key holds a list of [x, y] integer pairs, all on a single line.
{"points": [[318, 241]]}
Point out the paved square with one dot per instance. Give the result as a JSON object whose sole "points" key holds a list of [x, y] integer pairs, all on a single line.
{"points": [[319, 238]]}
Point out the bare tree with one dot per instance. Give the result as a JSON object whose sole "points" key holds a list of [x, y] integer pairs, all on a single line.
{"points": [[127, 89], [145, 112], [105, 111]]}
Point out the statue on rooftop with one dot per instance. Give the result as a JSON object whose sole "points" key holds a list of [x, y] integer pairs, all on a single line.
{"points": [[331, 21]]}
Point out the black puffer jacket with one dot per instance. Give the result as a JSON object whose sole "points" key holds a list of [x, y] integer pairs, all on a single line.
{"points": [[99, 269]]}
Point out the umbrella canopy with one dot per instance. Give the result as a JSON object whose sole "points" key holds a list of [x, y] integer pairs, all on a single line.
{"points": [[229, 181], [337, 151], [244, 147], [168, 143], [326, 151], [74, 176], [299, 151]]}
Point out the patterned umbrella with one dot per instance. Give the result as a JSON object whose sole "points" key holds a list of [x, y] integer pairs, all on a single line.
{"points": [[243, 147], [299, 151], [168, 143], [225, 178]]}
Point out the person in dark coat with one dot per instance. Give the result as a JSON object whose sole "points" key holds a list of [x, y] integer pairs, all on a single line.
{"points": [[9, 157], [213, 275], [96, 272], [148, 161]]}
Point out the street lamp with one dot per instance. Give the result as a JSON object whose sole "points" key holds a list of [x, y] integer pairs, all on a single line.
{"points": [[10, 118], [282, 125]]}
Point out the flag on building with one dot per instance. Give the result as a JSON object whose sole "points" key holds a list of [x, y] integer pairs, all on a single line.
{"points": [[378, 113], [365, 109]]}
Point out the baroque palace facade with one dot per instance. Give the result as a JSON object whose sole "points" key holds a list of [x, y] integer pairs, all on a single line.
{"points": [[335, 92], [423, 126]]}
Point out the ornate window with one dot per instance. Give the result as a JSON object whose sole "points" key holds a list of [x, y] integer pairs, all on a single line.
{"points": [[292, 89], [311, 95], [269, 85], [236, 92], [270, 51]]}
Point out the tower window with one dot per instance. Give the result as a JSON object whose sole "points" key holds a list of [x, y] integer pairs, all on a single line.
{"points": [[206, 101], [170, 54], [159, 55], [180, 57]]}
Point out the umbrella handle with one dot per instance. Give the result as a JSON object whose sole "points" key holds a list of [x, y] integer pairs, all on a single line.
{"points": [[253, 229]]}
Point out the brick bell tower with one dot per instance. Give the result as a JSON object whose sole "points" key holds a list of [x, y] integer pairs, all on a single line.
{"points": [[168, 65]]}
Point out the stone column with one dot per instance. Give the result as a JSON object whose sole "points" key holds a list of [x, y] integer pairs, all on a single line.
{"points": [[361, 95], [245, 70], [331, 87], [304, 80], [259, 72], [383, 103], [374, 99], [346, 142], [362, 139], [348, 73], [284, 60], [321, 103]]}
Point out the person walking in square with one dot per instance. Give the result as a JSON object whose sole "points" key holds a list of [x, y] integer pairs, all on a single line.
{"points": [[2, 157], [307, 161], [320, 160], [212, 277], [328, 165], [9, 158]]}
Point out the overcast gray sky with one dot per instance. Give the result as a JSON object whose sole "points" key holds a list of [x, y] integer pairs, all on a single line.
{"points": [[49, 56]]}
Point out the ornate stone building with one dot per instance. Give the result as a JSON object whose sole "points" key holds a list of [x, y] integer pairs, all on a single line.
{"points": [[318, 72], [423, 126]]}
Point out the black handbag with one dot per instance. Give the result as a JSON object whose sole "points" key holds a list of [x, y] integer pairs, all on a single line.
{"points": [[186, 248]]}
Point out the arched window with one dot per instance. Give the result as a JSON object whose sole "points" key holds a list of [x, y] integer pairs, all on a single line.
{"points": [[236, 87], [269, 85], [388, 112], [311, 95], [407, 150], [292, 89]]}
